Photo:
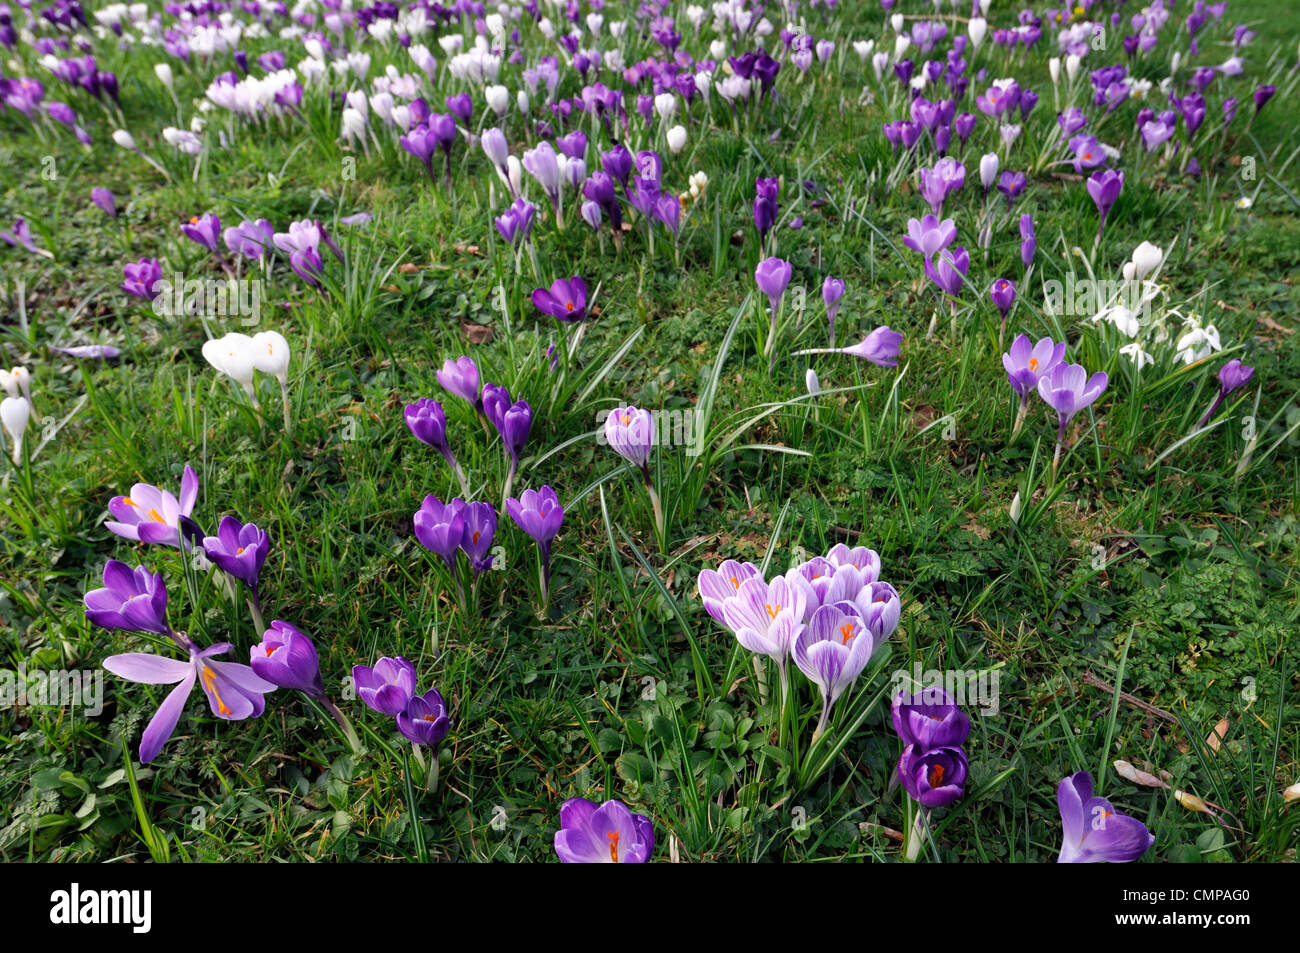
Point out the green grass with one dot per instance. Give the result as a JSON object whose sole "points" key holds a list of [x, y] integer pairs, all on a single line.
{"points": [[1170, 579]]}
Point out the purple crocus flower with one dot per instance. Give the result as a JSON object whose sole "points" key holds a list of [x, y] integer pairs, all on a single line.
{"points": [[947, 176], [1088, 153], [142, 278], [766, 205], [204, 230], [772, 276], [480, 521], [462, 107], [424, 721], [948, 269], [631, 432], [1094, 832], [539, 514], [239, 550], [439, 527], [1026, 364], [933, 778], [929, 719], [151, 515], [134, 600], [566, 301], [388, 687], [880, 347], [1068, 389], [1262, 95], [287, 658], [618, 163], [516, 223], [1012, 185], [1104, 187], [234, 691], [1232, 375], [1003, 293], [20, 236], [252, 239], [929, 235], [832, 293], [717, 586], [104, 199], [599, 188], [421, 143], [608, 834], [1028, 240], [460, 377], [512, 419], [428, 423]]}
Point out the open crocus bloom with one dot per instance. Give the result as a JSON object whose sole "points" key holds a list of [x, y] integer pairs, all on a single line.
{"points": [[151, 515], [1026, 363], [234, 691], [766, 618], [388, 687], [718, 586], [566, 301], [933, 778], [930, 719], [833, 649], [608, 834], [1094, 831], [1068, 389]]}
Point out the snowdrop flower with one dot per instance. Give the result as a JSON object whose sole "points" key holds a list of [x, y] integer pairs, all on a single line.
{"points": [[1197, 342], [1146, 259], [1138, 356]]}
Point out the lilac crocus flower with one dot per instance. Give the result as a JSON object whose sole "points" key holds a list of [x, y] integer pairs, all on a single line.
{"points": [[608, 834], [204, 230], [1027, 364], [717, 586], [1094, 832], [424, 721], [141, 279], [631, 432], [513, 420], [832, 293], [134, 600], [1068, 389], [933, 778], [1232, 375], [104, 199], [1012, 185], [767, 618], [566, 300], [151, 515], [387, 687], [239, 550], [539, 514], [1262, 95], [287, 658], [460, 377], [252, 239], [439, 527], [428, 423], [929, 235], [1088, 153], [1104, 187], [930, 719], [947, 176], [234, 691], [421, 143], [948, 269], [772, 276], [20, 236], [832, 650]]}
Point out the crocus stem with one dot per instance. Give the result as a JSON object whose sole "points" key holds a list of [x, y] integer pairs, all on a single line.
{"points": [[917, 834], [412, 805], [821, 723], [1020, 417], [255, 610], [659, 515], [1056, 458], [1218, 402], [760, 678], [431, 775], [509, 484], [284, 403], [349, 732]]}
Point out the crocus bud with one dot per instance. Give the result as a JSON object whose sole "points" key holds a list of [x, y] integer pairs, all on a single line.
{"points": [[270, 355], [988, 170], [1054, 69], [1146, 259], [124, 139], [287, 658], [164, 73], [498, 99], [388, 687], [976, 29], [811, 382], [495, 146], [1072, 67], [14, 413], [425, 721], [676, 139]]}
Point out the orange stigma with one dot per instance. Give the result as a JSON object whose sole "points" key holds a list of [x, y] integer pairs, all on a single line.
{"points": [[846, 632], [1033, 364], [771, 613], [613, 846], [936, 775]]}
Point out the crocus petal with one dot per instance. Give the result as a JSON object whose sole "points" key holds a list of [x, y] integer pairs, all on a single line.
{"points": [[163, 723]]}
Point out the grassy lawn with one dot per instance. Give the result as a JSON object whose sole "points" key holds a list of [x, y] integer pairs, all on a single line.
{"points": [[1134, 602]]}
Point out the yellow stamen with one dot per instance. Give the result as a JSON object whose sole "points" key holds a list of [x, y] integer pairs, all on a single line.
{"points": [[210, 684], [156, 517]]}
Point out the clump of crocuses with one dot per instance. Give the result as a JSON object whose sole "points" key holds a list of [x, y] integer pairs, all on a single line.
{"points": [[389, 687]]}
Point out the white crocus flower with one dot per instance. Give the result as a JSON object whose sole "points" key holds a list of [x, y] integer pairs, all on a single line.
{"points": [[14, 414], [676, 139], [1146, 259], [232, 355]]}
